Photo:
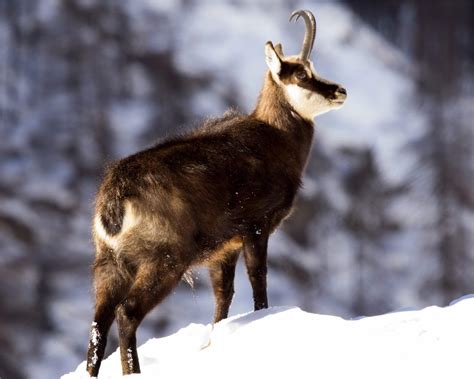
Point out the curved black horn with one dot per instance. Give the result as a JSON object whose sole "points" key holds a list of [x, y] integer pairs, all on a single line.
{"points": [[310, 33]]}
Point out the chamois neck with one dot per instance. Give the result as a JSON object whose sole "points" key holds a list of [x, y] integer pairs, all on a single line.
{"points": [[273, 108]]}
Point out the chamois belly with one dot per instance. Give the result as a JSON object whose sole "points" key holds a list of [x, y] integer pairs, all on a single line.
{"points": [[140, 229], [220, 252]]}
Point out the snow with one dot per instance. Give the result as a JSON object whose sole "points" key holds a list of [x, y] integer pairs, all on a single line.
{"points": [[284, 342]]}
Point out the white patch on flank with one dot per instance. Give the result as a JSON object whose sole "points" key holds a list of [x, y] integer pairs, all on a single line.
{"points": [[100, 233], [130, 219], [94, 341]]}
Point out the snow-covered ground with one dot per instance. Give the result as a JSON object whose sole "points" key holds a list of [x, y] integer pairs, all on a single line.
{"points": [[285, 342]]}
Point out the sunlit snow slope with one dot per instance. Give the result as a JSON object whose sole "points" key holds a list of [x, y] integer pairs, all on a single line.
{"points": [[288, 342]]}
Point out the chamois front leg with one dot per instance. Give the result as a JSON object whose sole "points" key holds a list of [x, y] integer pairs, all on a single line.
{"points": [[222, 278], [255, 254]]}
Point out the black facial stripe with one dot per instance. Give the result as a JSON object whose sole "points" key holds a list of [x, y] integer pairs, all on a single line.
{"points": [[287, 71], [327, 90], [320, 86]]}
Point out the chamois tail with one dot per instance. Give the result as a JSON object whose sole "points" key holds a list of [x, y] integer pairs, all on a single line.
{"points": [[110, 206]]}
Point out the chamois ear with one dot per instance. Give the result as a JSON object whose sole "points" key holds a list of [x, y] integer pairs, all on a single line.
{"points": [[272, 59], [279, 50]]}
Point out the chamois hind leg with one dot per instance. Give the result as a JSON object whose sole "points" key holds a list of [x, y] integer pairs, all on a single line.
{"points": [[222, 278], [110, 288], [153, 282]]}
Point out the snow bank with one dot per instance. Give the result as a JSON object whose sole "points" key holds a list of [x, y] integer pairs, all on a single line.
{"points": [[285, 342]]}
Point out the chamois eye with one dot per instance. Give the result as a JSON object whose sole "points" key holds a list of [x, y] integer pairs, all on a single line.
{"points": [[301, 75]]}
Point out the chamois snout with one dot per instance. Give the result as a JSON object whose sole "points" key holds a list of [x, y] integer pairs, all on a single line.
{"points": [[340, 94], [330, 90]]}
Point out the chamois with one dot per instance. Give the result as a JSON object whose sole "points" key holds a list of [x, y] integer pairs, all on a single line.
{"points": [[202, 198]]}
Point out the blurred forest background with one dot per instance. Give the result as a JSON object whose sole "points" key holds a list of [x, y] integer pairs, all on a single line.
{"points": [[385, 218]]}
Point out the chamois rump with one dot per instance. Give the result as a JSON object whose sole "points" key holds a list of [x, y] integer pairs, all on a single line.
{"points": [[202, 198]]}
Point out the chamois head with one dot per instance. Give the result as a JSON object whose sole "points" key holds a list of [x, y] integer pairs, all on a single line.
{"points": [[308, 94]]}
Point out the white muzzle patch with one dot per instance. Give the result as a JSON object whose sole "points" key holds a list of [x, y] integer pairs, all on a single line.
{"points": [[308, 104]]}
